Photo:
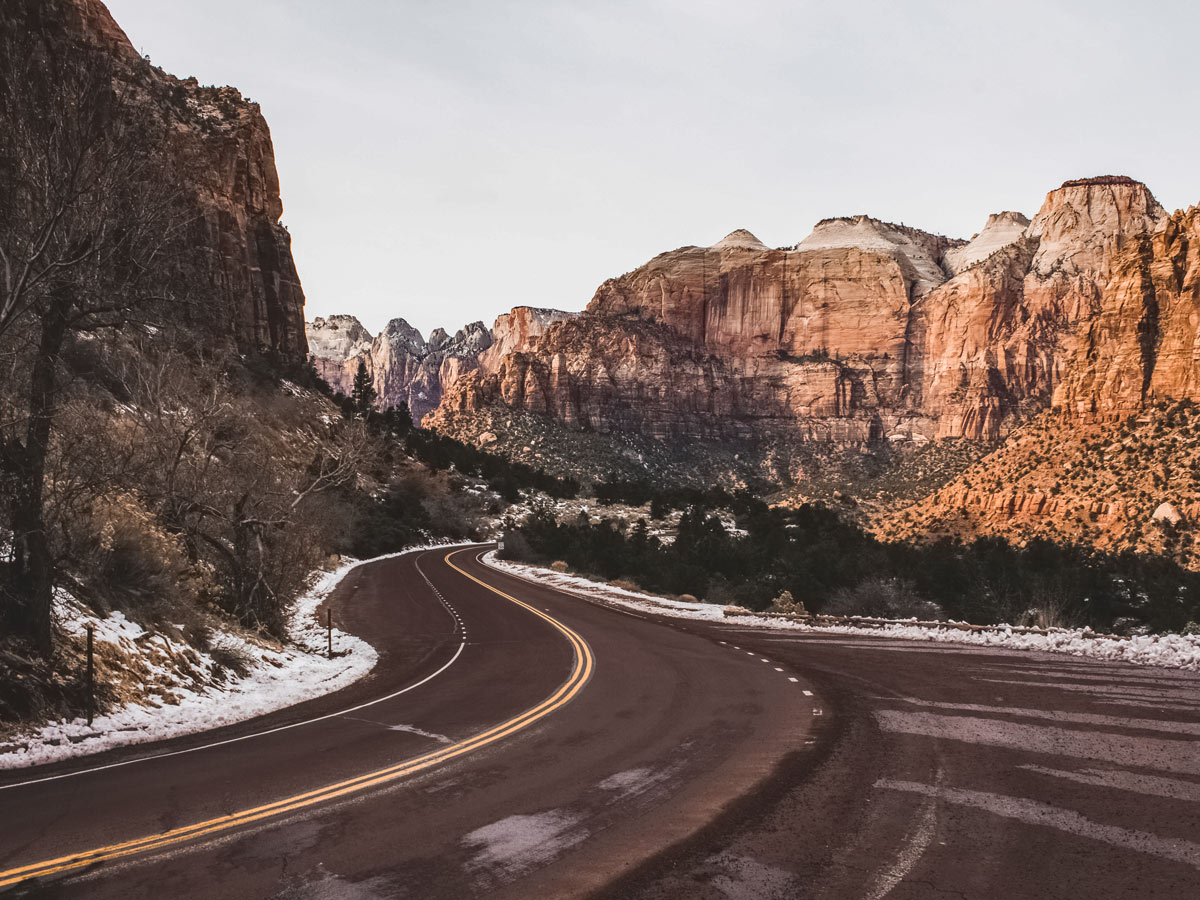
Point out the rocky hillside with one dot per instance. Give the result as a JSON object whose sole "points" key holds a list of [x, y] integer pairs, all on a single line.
{"points": [[232, 274], [406, 368], [1130, 485]]}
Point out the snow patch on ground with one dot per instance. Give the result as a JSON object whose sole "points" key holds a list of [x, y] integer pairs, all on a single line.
{"points": [[518, 843], [279, 676], [1174, 651]]}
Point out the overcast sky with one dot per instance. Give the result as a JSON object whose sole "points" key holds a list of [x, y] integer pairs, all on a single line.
{"points": [[444, 161]]}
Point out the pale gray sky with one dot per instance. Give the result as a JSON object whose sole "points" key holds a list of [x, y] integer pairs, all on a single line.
{"points": [[444, 161]]}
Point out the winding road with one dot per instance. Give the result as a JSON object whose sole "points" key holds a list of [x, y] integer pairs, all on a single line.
{"points": [[514, 741]]}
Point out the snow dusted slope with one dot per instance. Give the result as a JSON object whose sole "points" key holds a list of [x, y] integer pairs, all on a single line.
{"points": [[278, 677], [1167, 650]]}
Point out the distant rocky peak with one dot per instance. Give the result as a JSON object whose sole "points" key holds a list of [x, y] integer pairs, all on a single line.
{"points": [[924, 251], [1002, 230], [471, 339], [438, 338], [337, 337], [400, 335], [1083, 223], [1006, 219], [740, 239], [349, 324]]}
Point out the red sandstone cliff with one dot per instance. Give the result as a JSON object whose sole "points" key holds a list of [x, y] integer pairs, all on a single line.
{"points": [[863, 331]]}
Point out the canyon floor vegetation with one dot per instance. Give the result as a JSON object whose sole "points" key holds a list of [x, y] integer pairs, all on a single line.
{"points": [[814, 557]]}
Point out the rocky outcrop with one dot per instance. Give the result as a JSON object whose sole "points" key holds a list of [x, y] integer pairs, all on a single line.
{"points": [[405, 368], [231, 272], [516, 331]]}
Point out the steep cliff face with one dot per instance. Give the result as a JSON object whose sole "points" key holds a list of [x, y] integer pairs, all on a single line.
{"points": [[405, 368], [1144, 343], [845, 289], [221, 147], [965, 365], [517, 331], [592, 376], [232, 271], [864, 331]]}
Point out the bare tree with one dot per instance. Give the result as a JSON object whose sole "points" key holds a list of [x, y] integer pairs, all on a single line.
{"points": [[83, 218], [211, 463]]}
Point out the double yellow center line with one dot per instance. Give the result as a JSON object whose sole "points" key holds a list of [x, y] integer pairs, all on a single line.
{"points": [[581, 671]]}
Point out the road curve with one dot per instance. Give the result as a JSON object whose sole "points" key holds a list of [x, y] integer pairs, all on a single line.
{"points": [[557, 746]]}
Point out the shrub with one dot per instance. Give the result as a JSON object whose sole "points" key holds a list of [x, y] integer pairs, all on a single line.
{"points": [[232, 656], [787, 605], [131, 563], [883, 598]]}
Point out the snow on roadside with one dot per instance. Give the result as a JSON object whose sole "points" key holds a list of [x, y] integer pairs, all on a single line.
{"points": [[279, 676], [1174, 651]]}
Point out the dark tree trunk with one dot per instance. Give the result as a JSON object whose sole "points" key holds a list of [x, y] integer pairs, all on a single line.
{"points": [[32, 557]]}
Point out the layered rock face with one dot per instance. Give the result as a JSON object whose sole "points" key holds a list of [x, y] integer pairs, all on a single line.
{"points": [[863, 331], [405, 368], [1144, 343], [233, 271]]}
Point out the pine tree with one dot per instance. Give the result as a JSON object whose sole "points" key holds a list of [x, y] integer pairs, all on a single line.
{"points": [[404, 419], [363, 394]]}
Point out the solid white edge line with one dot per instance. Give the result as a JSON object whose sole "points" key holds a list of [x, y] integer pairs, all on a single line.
{"points": [[246, 737]]}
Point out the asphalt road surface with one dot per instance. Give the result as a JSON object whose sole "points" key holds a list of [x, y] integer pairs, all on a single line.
{"points": [[516, 742]]}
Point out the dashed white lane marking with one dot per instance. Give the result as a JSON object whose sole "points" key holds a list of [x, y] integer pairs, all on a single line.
{"points": [[764, 659], [720, 642], [806, 693], [792, 680], [737, 648], [817, 712], [777, 669]]}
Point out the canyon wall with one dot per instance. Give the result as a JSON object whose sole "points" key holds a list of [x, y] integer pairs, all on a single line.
{"points": [[864, 331], [228, 269]]}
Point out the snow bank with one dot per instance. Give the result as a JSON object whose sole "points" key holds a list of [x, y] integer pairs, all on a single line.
{"points": [[1166, 650], [279, 677]]}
